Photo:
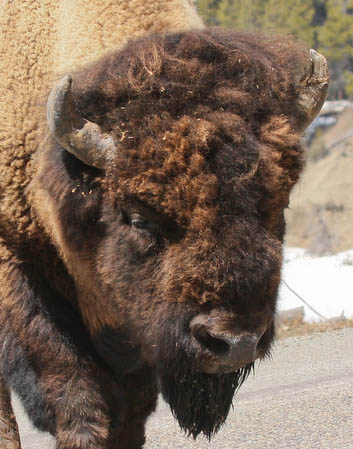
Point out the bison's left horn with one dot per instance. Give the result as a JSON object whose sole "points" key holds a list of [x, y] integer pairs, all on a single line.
{"points": [[82, 138], [312, 89]]}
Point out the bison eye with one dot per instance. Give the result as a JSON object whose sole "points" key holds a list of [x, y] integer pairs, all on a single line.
{"points": [[139, 222]]}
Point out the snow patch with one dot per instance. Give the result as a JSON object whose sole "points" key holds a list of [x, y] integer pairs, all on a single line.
{"points": [[325, 283]]}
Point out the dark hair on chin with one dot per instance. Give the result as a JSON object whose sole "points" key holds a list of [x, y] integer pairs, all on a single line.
{"points": [[201, 402]]}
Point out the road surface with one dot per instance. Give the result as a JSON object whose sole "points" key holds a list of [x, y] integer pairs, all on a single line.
{"points": [[301, 399]]}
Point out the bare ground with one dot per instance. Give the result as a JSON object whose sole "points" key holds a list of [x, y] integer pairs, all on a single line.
{"points": [[298, 327], [320, 215]]}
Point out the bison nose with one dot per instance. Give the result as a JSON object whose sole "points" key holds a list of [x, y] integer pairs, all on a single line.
{"points": [[227, 351]]}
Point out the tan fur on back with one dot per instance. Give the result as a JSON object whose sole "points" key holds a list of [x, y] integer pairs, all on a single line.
{"points": [[111, 23], [40, 40]]}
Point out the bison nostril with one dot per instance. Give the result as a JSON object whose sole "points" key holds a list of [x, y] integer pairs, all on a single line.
{"points": [[214, 344], [230, 350]]}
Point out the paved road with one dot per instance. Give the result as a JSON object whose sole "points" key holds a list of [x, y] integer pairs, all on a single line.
{"points": [[302, 399]]}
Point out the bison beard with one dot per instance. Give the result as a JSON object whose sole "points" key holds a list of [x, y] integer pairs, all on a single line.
{"points": [[201, 402]]}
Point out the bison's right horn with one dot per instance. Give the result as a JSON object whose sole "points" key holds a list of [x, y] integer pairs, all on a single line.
{"points": [[312, 89], [82, 138]]}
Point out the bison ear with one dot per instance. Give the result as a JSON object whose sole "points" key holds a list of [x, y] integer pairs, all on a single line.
{"points": [[312, 89], [82, 138]]}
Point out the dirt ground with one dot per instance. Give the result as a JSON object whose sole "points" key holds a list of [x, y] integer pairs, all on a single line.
{"points": [[298, 327], [320, 216]]}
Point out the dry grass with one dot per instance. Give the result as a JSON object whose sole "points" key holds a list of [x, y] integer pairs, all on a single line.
{"points": [[295, 328]]}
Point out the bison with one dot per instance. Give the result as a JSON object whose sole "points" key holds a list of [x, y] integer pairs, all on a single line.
{"points": [[156, 197]]}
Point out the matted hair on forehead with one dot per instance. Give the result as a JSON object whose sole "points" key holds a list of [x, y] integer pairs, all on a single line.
{"points": [[185, 71]]}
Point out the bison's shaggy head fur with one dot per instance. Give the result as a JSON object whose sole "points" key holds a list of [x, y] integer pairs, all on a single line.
{"points": [[187, 219]]}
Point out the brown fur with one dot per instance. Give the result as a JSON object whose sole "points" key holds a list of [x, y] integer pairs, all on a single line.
{"points": [[97, 308], [208, 93], [9, 437]]}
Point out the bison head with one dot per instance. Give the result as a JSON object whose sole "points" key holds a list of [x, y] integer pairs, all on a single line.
{"points": [[169, 168]]}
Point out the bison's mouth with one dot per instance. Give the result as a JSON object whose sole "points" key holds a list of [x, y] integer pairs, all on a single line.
{"points": [[211, 368], [201, 402]]}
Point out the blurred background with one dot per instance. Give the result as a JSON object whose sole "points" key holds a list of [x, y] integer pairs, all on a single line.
{"points": [[325, 25], [318, 257]]}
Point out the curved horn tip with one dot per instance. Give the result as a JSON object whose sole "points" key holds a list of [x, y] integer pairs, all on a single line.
{"points": [[62, 89], [312, 89], [57, 101], [320, 73], [65, 82]]}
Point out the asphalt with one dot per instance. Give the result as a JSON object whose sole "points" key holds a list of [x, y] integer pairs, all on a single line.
{"points": [[301, 399]]}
